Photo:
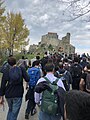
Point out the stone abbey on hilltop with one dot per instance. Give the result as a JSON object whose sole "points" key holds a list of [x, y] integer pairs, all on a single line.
{"points": [[51, 42]]}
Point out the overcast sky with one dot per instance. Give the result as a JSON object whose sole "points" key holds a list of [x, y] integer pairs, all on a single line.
{"points": [[43, 16]]}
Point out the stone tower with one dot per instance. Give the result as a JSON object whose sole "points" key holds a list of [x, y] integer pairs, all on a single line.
{"points": [[51, 39], [66, 39]]}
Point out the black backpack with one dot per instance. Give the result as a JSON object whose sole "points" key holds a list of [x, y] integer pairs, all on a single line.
{"points": [[15, 75], [76, 71], [64, 79], [24, 64]]}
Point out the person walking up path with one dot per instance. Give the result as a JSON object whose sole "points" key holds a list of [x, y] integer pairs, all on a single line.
{"points": [[12, 88], [49, 94]]}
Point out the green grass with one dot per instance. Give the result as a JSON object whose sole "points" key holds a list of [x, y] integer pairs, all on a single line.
{"points": [[30, 56], [19, 56]]}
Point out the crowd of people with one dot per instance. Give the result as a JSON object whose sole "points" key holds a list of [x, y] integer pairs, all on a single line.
{"points": [[59, 85]]}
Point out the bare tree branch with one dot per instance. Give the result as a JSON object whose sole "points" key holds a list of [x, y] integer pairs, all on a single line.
{"points": [[79, 15], [76, 8]]}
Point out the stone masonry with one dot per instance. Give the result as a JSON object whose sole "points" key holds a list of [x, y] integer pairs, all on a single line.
{"points": [[51, 39]]}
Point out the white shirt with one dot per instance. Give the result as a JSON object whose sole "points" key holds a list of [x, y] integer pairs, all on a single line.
{"points": [[52, 78]]}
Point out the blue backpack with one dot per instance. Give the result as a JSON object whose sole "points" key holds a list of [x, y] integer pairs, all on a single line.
{"points": [[34, 74], [15, 75]]}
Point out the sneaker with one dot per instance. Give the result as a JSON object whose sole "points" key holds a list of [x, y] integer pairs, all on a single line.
{"points": [[33, 112], [26, 116]]}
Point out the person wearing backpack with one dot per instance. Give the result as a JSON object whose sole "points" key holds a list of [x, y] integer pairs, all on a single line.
{"points": [[23, 62], [34, 74], [64, 75], [85, 80], [5, 65], [49, 95], [84, 62], [76, 72], [12, 87]]}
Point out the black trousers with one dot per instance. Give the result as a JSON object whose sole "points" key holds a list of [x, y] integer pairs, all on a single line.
{"points": [[31, 102]]}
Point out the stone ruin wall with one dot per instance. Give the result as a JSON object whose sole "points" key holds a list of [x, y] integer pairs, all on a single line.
{"points": [[52, 38]]}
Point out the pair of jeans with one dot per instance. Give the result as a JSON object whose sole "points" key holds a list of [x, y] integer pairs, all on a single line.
{"points": [[14, 105], [45, 116]]}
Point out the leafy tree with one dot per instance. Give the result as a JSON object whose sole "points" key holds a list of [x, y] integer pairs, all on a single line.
{"points": [[2, 9], [15, 32], [2, 18]]}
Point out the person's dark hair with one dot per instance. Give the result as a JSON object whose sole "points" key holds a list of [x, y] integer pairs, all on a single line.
{"points": [[56, 67], [38, 57], [84, 59], [29, 62], [22, 57], [37, 62], [10, 56], [77, 105], [49, 67], [45, 53], [65, 60], [76, 59], [12, 61], [50, 61]]}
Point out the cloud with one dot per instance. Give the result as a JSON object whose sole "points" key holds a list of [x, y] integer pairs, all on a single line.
{"points": [[42, 16], [87, 26], [36, 1], [84, 50]]}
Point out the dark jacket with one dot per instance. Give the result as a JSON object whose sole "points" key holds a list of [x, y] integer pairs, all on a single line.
{"points": [[66, 74], [12, 91]]}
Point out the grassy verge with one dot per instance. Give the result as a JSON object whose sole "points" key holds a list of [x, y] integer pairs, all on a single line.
{"points": [[19, 56]]}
